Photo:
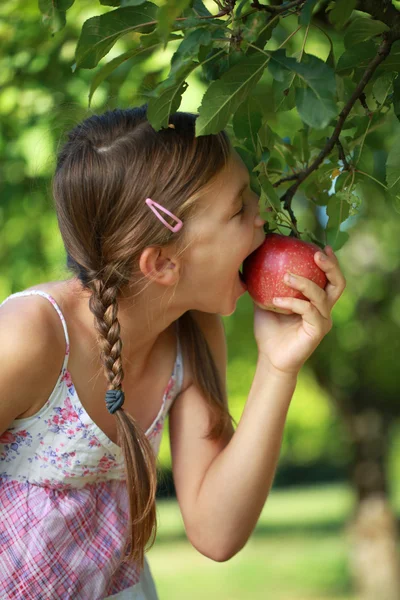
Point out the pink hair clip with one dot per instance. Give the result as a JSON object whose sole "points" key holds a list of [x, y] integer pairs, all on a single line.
{"points": [[151, 204]]}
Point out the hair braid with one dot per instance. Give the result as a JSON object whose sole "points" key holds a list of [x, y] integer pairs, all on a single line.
{"points": [[139, 458], [103, 304]]}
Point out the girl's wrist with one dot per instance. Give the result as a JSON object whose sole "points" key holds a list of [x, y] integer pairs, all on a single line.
{"points": [[267, 366]]}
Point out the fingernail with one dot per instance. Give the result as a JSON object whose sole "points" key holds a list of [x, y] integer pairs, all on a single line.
{"points": [[322, 256], [288, 277]]}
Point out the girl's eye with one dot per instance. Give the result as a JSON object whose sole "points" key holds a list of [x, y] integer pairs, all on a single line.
{"points": [[241, 211]]}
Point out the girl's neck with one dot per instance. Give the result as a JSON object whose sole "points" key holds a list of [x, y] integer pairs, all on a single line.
{"points": [[142, 320]]}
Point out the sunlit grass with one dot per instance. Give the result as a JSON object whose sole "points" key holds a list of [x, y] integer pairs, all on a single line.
{"points": [[298, 551]]}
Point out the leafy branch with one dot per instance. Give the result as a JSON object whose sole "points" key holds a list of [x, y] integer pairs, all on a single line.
{"points": [[234, 71], [300, 176]]}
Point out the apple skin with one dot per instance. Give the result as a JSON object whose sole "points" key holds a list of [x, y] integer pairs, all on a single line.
{"points": [[264, 269]]}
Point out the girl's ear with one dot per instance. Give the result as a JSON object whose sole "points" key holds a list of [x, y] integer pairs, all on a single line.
{"points": [[159, 265]]}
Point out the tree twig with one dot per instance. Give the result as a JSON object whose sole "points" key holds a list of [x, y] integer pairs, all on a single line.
{"points": [[363, 100], [283, 179], [342, 156], [383, 52], [276, 10]]}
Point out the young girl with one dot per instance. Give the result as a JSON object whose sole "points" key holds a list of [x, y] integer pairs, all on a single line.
{"points": [[155, 227]]}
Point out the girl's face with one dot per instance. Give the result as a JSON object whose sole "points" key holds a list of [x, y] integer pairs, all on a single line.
{"points": [[227, 229]]}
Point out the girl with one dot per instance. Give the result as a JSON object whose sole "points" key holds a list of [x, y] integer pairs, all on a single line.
{"points": [[155, 227]]}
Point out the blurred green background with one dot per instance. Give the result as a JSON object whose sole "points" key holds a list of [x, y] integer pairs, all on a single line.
{"points": [[300, 548]]}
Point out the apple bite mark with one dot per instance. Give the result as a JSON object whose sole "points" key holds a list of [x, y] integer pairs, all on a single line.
{"points": [[264, 270]]}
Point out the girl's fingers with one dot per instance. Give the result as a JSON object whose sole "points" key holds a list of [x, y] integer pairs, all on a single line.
{"points": [[307, 310], [336, 281], [312, 291]]}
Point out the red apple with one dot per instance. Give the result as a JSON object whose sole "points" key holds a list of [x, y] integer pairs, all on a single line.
{"points": [[264, 269]]}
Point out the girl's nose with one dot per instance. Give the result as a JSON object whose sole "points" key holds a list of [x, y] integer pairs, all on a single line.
{"points": [[259, 221]]}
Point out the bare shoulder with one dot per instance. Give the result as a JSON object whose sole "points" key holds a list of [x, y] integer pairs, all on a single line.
{"points": [[32, 350]]}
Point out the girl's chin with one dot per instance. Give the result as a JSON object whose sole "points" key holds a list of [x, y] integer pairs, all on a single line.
{"points": [[240, 289]]}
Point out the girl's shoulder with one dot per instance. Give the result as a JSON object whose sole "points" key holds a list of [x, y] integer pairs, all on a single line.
{"points": [[29, 340], [33, 315]]}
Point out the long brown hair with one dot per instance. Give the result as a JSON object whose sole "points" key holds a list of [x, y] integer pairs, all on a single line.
{"points": [[107, 167]]}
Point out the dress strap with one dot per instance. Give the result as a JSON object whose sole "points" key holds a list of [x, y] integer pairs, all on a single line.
{"points": [[55, 305]]}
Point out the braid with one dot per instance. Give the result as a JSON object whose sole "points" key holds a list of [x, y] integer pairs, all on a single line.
{"points": [[103, 304], [139, 458]]}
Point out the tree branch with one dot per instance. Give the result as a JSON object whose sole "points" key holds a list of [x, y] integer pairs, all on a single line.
{"points": [[363, 100], [276, 10], [342, 155], [383, 51]]}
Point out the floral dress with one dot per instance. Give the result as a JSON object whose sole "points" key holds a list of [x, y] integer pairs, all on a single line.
{"points": [[64, 502]]}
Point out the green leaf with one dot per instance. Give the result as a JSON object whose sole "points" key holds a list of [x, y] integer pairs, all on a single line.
{"points": [[167, 96], [361, 30], [269, 197], [166, 15], [312, 71], [393, 168], [54, 13], [336, 239], [301, 145], [284, 93], [264, 26], [356, 57], [199, 8], [247, 122], [306, 12], [382, 87], [341, 180], [190, 46], [392, 62], [267, 136], [255, 25], [216, 64], [316, 195], [224, 96], [364, 159], [337, 210], [100, 33], [316, 102], [261, 166], [315, 111], [341, 12], [136, 55]]}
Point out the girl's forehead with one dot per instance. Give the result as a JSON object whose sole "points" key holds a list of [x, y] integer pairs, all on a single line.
{"points": [[214, 206], [234, 174]]}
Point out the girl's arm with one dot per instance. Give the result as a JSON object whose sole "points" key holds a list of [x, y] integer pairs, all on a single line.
{"points": [[31, 357], [237, 483], [222, 485]]}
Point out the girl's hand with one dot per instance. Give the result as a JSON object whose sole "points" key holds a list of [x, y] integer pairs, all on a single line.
{"points": [[286, 341]]}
